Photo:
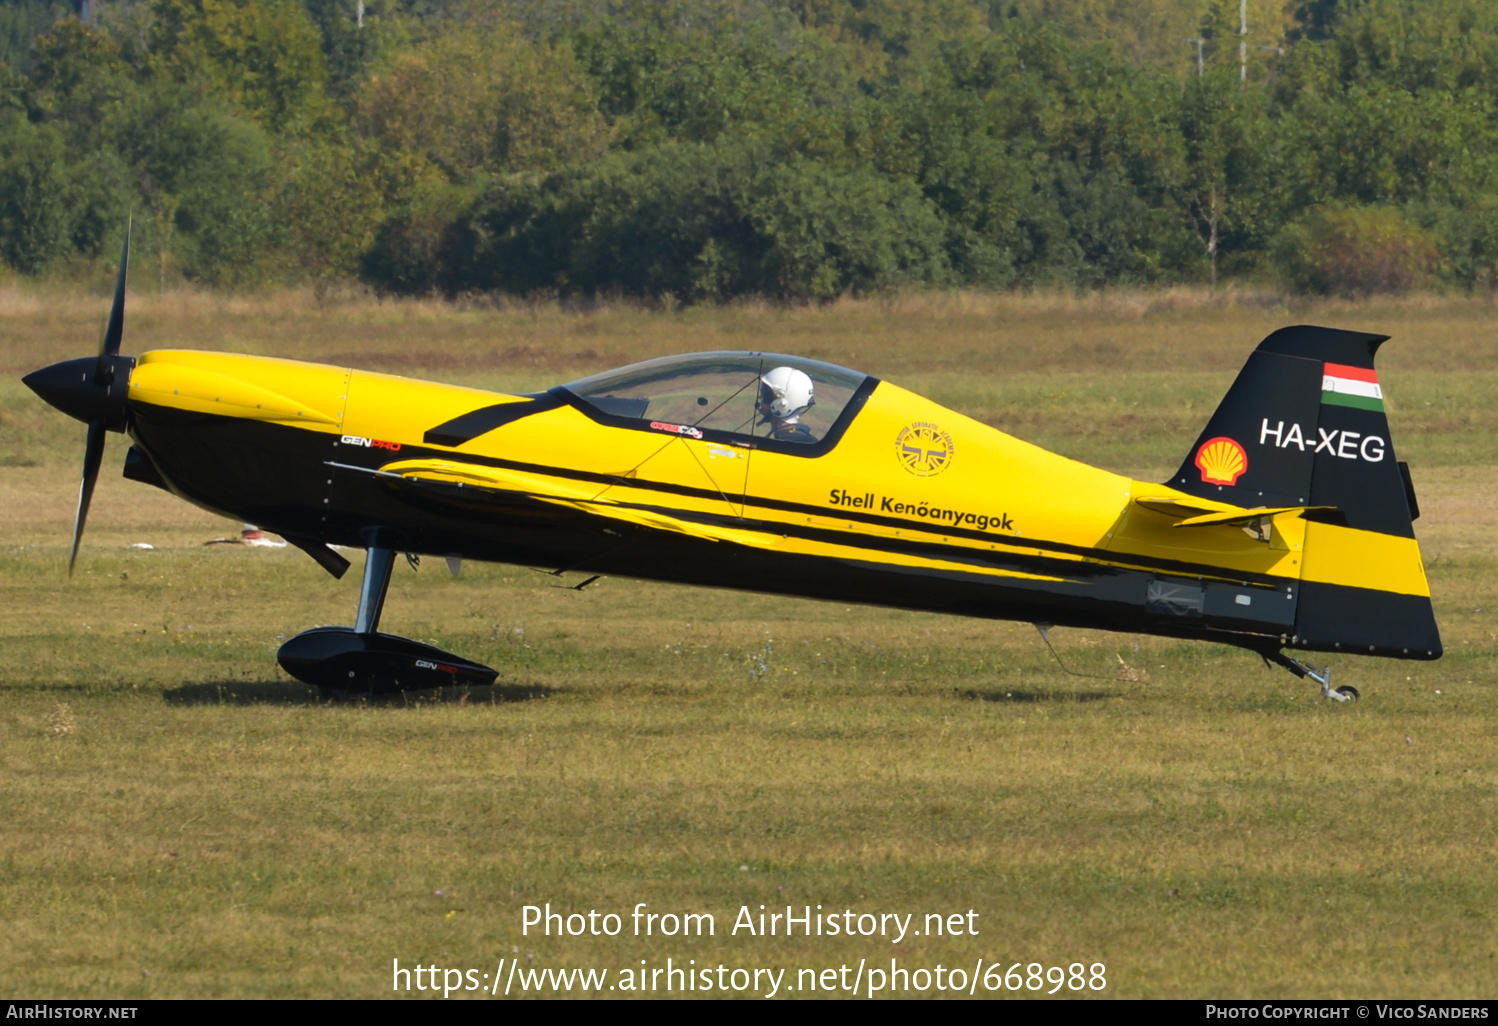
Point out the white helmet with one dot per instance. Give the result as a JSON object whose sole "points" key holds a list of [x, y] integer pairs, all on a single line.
{"points": [[785, 393]]}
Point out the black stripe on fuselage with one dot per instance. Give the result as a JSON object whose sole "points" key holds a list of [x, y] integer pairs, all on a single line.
{"points": [[471, 425]]}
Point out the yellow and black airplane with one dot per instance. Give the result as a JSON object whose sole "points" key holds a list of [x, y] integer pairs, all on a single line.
{"points": [[1288, 526]]}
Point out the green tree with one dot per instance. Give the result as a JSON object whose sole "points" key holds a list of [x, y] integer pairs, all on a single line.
{"points": [[1232, 194], [829, 231], [951, 143], [1103, 150], [351, 50], [482, 99], [35, 219], [695, 220], [13, 89], [80, 81], [264, 56], [742, 71], [895, 32], [326, 200], [202, 175], [21, 21]]}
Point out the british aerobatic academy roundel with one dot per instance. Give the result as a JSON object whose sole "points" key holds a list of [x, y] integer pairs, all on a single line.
{"points": [[924, 449]]}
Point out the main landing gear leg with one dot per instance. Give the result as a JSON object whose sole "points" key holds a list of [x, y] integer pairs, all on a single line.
{"points": [[357, 661], [1346, 693], [377, 566]]}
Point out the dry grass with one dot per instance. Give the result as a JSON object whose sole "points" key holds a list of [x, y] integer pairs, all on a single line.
{"points": [[181, 820]]}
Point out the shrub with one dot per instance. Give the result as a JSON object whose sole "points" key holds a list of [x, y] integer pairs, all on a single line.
{"points": [[1467, 236], [407, 257], [1357, 251], [695, 221]]}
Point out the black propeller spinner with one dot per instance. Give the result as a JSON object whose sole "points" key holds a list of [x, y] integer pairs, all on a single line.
{"points": [[92, 389]]}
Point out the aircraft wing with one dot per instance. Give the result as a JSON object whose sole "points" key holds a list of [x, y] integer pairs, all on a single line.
{"points": [[588, 498], [584, 496]]}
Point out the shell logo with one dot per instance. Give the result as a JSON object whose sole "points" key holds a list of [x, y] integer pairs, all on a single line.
{"points": [[1222, 461]]}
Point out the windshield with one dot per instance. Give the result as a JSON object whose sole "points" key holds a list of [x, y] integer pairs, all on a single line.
{"points": [[752, 395]]}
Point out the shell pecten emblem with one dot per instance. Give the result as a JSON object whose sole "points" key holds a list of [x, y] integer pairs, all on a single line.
{"points": [[1222, 461], [924, 449]]}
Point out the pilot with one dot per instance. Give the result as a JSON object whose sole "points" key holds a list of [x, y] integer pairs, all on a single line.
{"points": [[784, 395]]}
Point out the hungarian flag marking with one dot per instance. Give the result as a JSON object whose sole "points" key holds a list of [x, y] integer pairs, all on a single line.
{"points": [[1351, 386]]}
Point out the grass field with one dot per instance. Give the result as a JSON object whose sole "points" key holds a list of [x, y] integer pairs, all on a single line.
{"points": [[180, 819]]}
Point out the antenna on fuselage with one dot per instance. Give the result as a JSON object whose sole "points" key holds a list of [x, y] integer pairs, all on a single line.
{"points": [[1045, 635]]}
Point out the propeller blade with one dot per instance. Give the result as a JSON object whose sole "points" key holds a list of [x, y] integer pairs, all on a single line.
{"points": [[116, 329], [93, 456]]}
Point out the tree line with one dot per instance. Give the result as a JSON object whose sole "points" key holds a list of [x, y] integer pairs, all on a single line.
{"points": [[708, 149]]}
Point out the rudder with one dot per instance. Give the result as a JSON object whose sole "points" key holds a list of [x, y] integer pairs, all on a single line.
{"points": [[1304, 425]]}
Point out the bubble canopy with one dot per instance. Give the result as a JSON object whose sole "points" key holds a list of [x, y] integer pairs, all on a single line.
{"points": [[718, 394]]}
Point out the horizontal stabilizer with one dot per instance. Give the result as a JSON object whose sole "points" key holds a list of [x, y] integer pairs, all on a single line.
{"points": [[1206, 513], [1173, 507], [1242, 518]]}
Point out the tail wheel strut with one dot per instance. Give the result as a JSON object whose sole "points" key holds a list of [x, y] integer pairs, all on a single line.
{"points": [[1323, 676]]}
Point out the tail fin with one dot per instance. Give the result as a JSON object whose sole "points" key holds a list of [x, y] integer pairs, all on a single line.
{"points": [[1304, 425]]}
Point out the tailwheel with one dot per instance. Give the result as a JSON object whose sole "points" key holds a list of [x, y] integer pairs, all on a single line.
{"points": [[1323, 676]]}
